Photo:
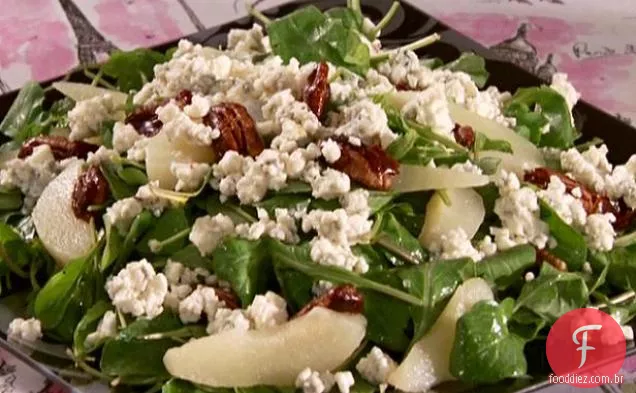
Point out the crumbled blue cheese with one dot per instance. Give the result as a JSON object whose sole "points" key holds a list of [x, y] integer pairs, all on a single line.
{"points": [[330, 150], [330, 184], [103, 154], [404, 67], [267, 310], [124, 137], [190, 175], [138, 151], [468, 167], [209, 231], [590, 167], [248, 42], [31, 174], [455, 244], [599, 231], [178, 125], [486, 246], [293, 123], [314, 382], [106, 328], [226, 319], [25, 329], [122, 213], [138, 290], [282, 228], [86, 117], [529, 276], [150, 200], [344, 381], [518, 209], [561, 84], [376, 366], [430, 108], [366, 120], [202, 300], [566, 205]]}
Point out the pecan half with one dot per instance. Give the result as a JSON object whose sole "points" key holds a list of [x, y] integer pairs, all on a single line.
{"points": [[61, 147], [237, 130], [343, 298], [91, 188], [317, 91], [593, 202], [228, 297], [368, 165], [544, 255], [145, 119], [464, 135]]}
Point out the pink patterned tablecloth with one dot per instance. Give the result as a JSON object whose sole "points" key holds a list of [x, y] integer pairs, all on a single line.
{"points": [[593, 41]]}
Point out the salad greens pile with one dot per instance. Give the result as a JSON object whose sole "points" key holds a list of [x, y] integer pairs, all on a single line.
{"points": [[408, 281]]}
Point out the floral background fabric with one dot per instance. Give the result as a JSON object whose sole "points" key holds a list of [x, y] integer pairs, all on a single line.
{"points": [[593, 41]]}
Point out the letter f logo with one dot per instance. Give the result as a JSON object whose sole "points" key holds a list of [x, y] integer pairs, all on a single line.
{"points": [[584, 347]]}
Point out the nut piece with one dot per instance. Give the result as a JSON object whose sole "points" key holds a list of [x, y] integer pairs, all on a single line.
{"points": [[317, 91], [368, 165], [464, 135], [593, 202], [544, 256], [237, 130], [61, 147], [91, 188], [145, 119], [343, 298]]}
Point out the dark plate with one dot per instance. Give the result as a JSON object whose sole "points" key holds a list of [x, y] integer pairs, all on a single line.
{"points": [[409, 24]]}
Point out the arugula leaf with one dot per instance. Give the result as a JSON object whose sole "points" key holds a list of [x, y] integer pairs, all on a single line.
{"points": [[285, 201], [171, 223], [180, 386], [483, 143], [350, 18], [571, 246], [397, 242], [246, 265], [136, 361], [485, 351], [296, 286], [553, 110], [138, 228], [65, 298], [619, 262], [133, 68], [23, 119], [191, 257], [506, 267], [15, 255], [553, 293], [118, 185], [309, 35], [434, 283], [87, 325], [10, 199], [471, 64], [298, 257], [239, 214], [165, 322]]}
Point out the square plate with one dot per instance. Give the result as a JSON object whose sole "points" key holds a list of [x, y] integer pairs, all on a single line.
{"points": [[410, 24]]}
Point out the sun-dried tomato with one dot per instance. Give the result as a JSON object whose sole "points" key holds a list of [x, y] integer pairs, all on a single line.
{"points": [[317, 91], [145, 119], [368, 165], [343, 298], [61, 147], [237, 130], [228, 297], [464, 135], [91, 188]]}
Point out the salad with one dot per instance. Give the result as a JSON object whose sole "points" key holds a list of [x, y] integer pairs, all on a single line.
{"points": [[305, 210]]}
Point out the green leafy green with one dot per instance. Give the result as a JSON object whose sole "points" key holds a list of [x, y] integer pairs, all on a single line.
{"points": [[397, 242], [171, 223], [25, 116], [131, 69], [123, 179], [239, 214], [485, 351], [507, 267], [553, 293], [87, 325], [483, 143], [571, 245], [10, 199], [181, 386], [299, 259], [140, 225], [246, 265], [621, 269], [538, 107], [284, 201], [471, 64], [309, 35]]}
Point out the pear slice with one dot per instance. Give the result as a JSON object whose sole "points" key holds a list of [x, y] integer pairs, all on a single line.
{"points": [[64, 236], [83, 91], [466, 211], [161, 152], [422, 178], [427, 364], [322, 340]]}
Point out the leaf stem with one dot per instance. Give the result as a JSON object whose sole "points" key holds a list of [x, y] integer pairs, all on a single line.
{"points": [[104, 83], [12, 266], [256, 14], [98, 77], [373, 34], [625, 240], [415, 45], [584, 146], [617, 299], [355, 6], [34, 282], [92, 371], [427, 133], [156, 246]]}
